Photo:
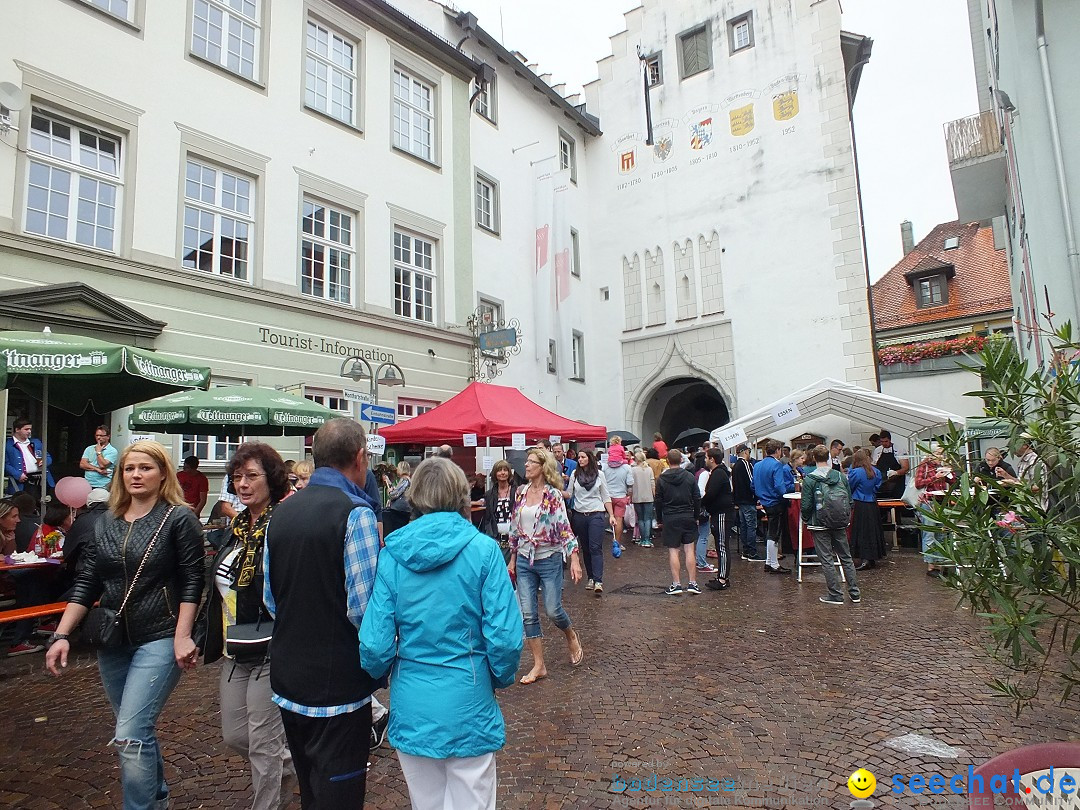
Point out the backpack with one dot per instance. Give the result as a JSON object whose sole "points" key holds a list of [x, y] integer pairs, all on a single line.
{"points": [[832, 502]]}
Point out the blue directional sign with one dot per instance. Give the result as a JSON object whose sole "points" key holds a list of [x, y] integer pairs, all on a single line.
{"points": [[379, 414]]}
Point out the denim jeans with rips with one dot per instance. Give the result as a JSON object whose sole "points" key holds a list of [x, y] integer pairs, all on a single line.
{"points": [[138, 679], [548, 572]]}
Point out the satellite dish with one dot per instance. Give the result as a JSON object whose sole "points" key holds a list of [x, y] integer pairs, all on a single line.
{"points": [[12, 96]]}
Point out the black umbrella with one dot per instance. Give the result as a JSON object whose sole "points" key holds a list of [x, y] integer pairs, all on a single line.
{"points": [[691, 436], [626, 436]]}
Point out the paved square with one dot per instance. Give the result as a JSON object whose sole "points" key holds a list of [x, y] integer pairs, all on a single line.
{"points": [[760, 685]]}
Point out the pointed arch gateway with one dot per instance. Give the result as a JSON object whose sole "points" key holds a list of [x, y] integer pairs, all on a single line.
{"points": [[677, 394]]}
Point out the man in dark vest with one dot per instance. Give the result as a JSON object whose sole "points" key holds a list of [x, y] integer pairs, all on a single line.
{"points": [[320, 539]]}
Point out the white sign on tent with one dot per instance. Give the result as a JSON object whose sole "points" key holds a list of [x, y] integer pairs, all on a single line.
{"points": [[728, 437], [788, 412]]}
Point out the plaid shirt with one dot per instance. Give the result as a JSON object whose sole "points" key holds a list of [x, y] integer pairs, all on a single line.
{"points": [[361, 556]]}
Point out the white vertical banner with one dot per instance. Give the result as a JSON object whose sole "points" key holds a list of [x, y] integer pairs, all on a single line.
{"points": [[560, 286], [544, 264]]}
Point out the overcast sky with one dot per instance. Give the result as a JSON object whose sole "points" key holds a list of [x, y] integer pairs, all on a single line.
{"points": [[919, 77]]}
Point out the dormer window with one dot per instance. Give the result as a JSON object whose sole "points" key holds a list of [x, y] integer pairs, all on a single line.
{"points": [[932, 291]]}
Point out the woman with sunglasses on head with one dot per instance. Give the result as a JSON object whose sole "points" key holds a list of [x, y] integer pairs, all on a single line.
{"points": [[540, 541], [251, 722], [146, 563]]}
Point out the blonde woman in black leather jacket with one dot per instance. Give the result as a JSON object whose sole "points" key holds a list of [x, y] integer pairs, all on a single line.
{"points": [[141, 673]]}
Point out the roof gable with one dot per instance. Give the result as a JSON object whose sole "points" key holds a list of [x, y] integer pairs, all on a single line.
{"points": [[977, 273], [77, 307]]}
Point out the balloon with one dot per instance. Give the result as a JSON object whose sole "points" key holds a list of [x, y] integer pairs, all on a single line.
{"points": [[72, 491]]}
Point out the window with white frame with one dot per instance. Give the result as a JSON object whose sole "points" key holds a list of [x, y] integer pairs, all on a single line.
{"points": [[226, 33], [577, 352], [575, 253], [414, 114], [654, 69], [932, 291], [218, 220], [330, 73], [741, 32], [408, 408], [490, 314], [213, 449], [487, 203], [117, 8], [486, 99], [335, 401], [568, 154], [414, 276], [695, 50], [327, 252], [73, 182]]}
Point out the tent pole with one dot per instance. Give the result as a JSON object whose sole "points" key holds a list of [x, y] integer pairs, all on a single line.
{"points": [[44, 466]]}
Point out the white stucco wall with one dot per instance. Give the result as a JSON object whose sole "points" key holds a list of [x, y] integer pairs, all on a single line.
{"points": [[943, 390], [779, 197], [1013, 48]]}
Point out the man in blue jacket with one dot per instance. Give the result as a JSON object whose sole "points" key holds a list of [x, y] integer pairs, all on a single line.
{"points": [[772, 480], [25, 461]]}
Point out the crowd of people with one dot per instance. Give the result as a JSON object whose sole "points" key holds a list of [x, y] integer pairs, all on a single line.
{"points": [[323, 588]]}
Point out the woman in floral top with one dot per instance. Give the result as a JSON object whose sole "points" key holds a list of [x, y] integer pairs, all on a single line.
{"points": [[540, 540]]}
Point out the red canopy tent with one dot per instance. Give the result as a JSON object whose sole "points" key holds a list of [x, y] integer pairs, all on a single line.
{"points": [[493, 413]]}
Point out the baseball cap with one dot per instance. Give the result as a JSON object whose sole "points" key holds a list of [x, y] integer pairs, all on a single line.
{"points": [[97, 496]]}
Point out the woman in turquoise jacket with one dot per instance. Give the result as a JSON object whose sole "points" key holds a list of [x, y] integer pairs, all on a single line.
{"points": [[444, 622]]}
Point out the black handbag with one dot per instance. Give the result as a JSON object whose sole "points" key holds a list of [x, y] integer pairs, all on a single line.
{"points": [[101, 627], [249, 641]]}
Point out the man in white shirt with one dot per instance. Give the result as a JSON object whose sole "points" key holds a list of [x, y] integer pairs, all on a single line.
{"points": [[25, 461]]}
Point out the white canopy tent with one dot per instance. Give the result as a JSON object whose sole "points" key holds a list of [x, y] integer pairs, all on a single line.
{"points": [[828, 397]]}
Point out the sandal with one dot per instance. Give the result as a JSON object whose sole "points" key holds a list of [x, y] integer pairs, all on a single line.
{"points": [[531, 679], [575, 660]]}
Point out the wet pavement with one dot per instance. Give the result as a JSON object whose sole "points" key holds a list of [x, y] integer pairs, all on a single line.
{"points": [[762, 693]]}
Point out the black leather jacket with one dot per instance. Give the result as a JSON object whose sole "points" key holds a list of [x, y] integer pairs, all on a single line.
{"points": [[173, 572]]}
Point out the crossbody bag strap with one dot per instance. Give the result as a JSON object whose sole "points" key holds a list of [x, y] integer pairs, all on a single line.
{"points": [[146, 556]]}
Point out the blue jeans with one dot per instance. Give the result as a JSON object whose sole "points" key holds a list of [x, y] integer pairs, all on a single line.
{"points": [[702, 544], [138, 680], [549, 572], [929, 536], [589, 529], [748, 529], [645, 516]]}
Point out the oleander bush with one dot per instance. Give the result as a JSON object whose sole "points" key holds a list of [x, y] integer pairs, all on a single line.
{"points": [[1016, 548]]}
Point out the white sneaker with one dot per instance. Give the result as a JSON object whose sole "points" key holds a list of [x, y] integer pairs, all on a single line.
{"points": [[590, 585]]}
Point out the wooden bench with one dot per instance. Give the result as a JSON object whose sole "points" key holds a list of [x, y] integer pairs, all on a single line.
{"points": [[32, 612]]}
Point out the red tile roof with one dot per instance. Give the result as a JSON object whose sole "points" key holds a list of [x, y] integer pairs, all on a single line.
{"points": [[979, 287]]}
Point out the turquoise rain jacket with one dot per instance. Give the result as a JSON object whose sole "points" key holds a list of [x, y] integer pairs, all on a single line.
{"points": [[443, 619]]}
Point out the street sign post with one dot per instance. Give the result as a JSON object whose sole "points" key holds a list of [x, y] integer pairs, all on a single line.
{"points": [[379, 414], [358, 396]]}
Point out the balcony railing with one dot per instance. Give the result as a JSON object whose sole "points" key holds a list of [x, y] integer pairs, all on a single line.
{"points": [[973, 137]]}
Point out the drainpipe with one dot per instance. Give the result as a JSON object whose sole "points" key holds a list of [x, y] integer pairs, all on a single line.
{"points": [[1072, 255], [864, 57]]}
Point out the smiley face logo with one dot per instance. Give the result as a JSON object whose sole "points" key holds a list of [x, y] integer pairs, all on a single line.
{"points": [[862, 783]]}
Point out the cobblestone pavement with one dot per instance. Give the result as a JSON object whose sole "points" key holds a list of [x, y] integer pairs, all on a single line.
{"points": [[761, 685]]}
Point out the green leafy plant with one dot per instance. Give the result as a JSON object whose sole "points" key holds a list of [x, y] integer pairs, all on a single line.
{"points": [[1013, 549]]}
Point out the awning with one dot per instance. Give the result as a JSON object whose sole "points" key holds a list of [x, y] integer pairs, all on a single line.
{"points": [[494, 413]]}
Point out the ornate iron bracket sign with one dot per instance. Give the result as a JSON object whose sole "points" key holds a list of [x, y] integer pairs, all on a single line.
{"points": [[495, 341]]}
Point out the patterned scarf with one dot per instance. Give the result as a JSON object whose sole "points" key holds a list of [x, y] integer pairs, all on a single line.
{"points": [[252, 538]]}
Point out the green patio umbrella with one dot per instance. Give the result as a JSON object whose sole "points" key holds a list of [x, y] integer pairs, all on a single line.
{"points": [[80, 374], [231, 411]]}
